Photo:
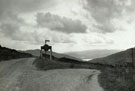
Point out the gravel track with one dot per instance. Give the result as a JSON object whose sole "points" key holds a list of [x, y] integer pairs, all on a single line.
{"points": [[21, 75]]}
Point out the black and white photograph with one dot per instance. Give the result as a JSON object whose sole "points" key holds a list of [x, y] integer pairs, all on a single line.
{"points": [[67, 45]]}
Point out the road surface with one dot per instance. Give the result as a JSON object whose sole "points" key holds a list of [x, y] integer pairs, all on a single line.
{"points": [[21, 75]]}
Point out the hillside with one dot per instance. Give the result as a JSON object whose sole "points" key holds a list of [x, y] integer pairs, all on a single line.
{"points": [[117, 58], [36, 52], [119, 75], [7, 54], [92, 54]]}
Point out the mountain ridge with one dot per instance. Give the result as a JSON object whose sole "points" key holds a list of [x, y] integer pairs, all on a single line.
{"points": [[92, 54], [36, 52], [122, 57]]}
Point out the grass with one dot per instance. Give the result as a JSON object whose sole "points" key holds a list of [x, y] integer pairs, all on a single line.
{"points": [[62, 63], [111, 78], [118, 79], [46, 64], [7, 54]]}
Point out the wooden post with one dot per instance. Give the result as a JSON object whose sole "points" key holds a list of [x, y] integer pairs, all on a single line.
{"points": [[133, 61], [51, 53], [41, 53], [133, 64], [45, 56]]}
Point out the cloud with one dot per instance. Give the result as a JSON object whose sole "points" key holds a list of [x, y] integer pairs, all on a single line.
{"points": [[11, 27], [103, 11], [23, 6], [61, 24], [32, 35], [14, 32], [55, 37], [9, 30], [104, 28], [91, 39], [14, 28], [60, 38]]}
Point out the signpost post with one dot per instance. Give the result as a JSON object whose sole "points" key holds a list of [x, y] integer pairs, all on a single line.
{"points": [[133, 64], [133, 61]]}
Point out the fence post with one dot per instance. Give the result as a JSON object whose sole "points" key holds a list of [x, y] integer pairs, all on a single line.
{"points": [[133, 61], [133, 64]]}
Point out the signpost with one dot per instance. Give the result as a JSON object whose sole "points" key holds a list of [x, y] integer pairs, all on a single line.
{"points": [[46, 48]]}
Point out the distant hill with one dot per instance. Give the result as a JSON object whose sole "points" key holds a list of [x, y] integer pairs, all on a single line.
{"points": [[7, 54], [117, 58], [36, 52], [92, 54]]}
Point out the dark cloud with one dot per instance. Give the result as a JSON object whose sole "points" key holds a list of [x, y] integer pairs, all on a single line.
{"points": [[11, 25], [23, 6], [61, 24], [13, 32], [103, 11], [9, 30], [104, 28]]}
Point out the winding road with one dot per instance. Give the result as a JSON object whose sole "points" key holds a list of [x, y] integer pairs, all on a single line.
{"points": [[22, 75]]}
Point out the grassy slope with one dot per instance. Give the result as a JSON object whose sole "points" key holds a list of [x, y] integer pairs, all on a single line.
{"points": [[117, 58], [58, 63], [36, 53], [118, 79], [92, 54], [120, 76], [7, 54]]}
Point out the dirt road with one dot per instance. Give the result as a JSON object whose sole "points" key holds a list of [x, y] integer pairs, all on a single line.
{"points": [[21, 75]]}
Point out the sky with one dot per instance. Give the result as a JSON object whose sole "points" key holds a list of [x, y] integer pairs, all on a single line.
{"points": [[70, 25]]}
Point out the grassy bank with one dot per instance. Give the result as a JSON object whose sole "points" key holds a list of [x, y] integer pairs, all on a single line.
{"points": [[46, 64], [118, 79], [7, 54], [111, 78]]}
